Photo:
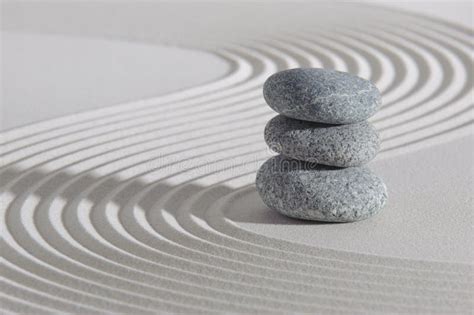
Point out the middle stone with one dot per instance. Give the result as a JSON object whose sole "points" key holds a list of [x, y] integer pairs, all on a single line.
{"points": [[335, 145]]}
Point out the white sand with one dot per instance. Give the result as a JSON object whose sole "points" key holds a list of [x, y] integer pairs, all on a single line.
{"points": [[149, 206]]}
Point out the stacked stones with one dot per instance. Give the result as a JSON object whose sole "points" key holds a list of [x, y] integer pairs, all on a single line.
{"points": [[323, 140]]}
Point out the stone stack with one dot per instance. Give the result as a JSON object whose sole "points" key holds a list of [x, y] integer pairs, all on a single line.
{"points": [[324, 139]]}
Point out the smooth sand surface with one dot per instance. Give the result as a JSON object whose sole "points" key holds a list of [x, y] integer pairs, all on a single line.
{"points": [[46, 76]]}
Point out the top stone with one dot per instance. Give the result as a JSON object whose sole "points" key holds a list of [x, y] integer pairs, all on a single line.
{"points": [[321, 95]]}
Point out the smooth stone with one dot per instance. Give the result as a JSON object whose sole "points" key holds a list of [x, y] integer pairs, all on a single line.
{"points": [[311, 191], [336, 145], [321, 95]]}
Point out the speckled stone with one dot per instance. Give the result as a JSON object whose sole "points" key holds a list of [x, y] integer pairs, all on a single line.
{"points": [[336, 145], [321, 95], [312, 191]]}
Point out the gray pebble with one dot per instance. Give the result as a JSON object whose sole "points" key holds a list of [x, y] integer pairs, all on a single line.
{"points": [[321, 95], [311, 191], [336, 145]]}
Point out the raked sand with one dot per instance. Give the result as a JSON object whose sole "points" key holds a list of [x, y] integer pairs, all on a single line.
{"points": [[150, 206]]}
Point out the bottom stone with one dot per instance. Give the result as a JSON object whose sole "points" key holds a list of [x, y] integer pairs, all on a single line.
{"points": [[317, 192]]}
